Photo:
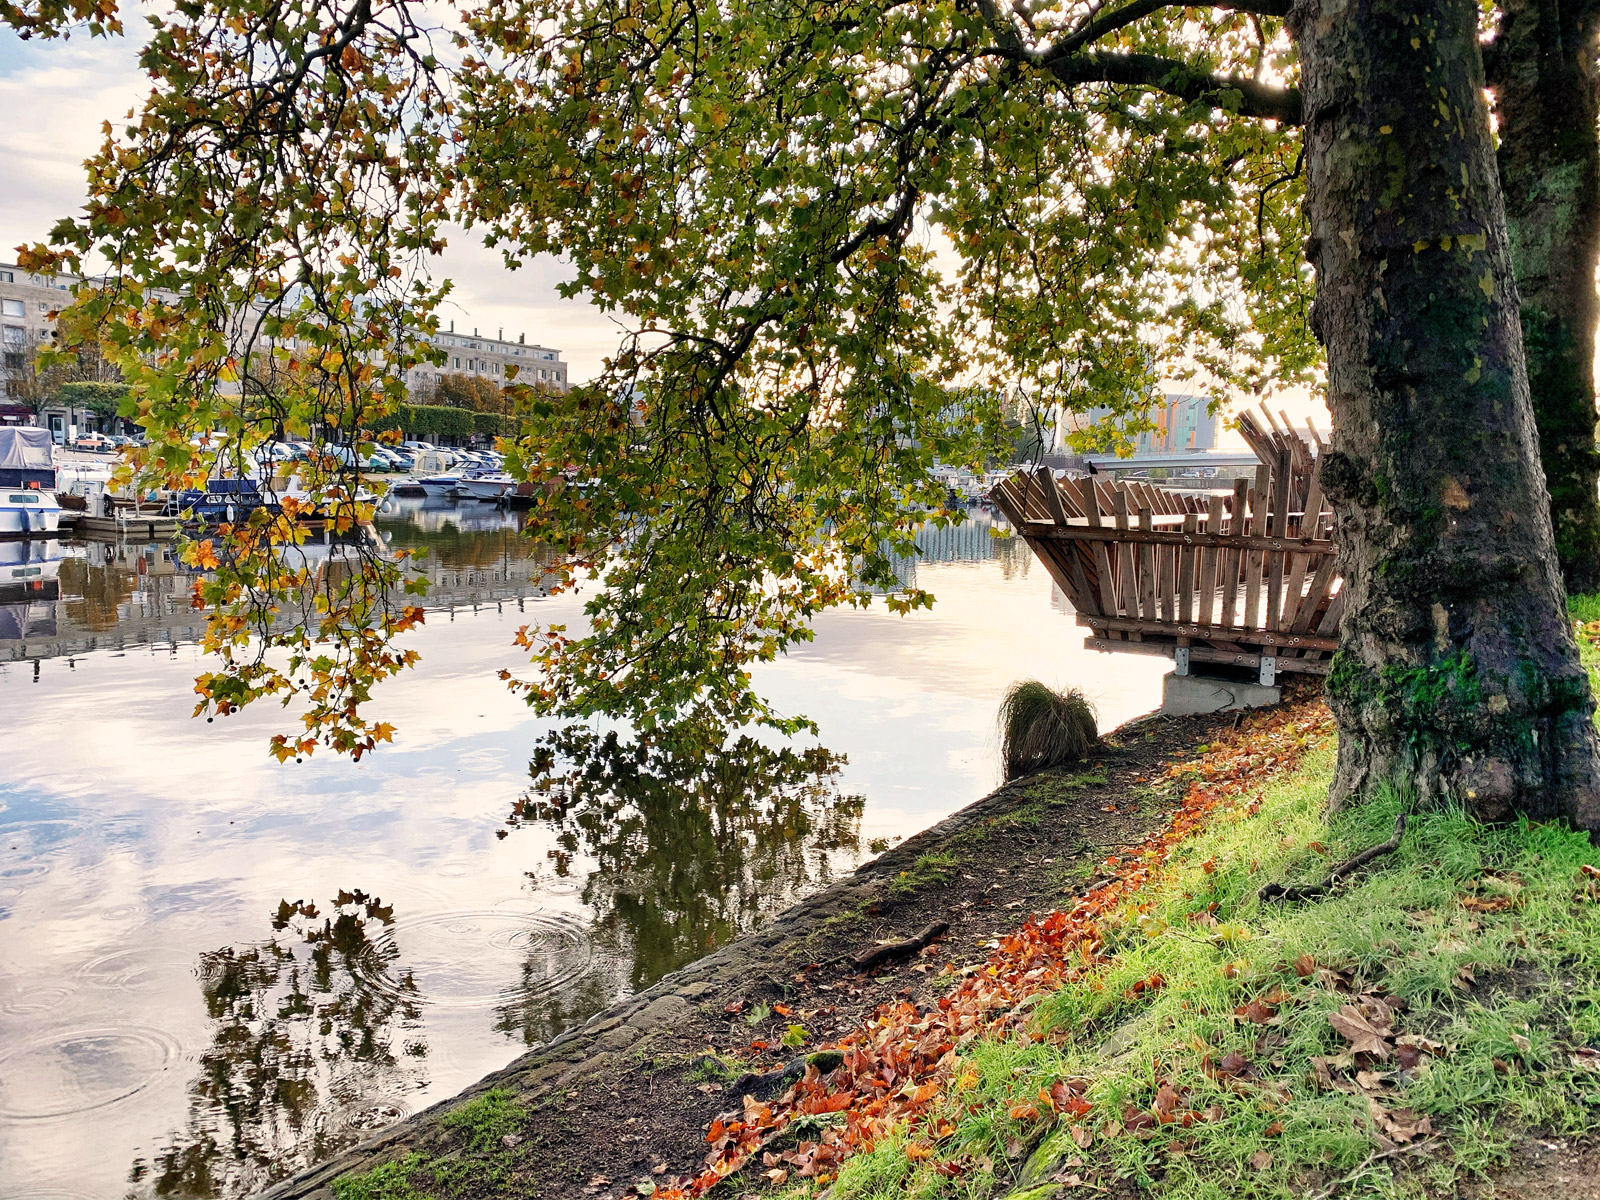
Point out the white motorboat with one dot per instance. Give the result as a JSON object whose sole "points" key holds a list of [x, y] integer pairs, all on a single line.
{"points": [[440, 485], [28, 505], [490, 485]]}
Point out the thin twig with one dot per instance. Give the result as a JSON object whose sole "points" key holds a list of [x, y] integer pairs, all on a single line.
{"points": [[1392, 1152], [1276, 891]]}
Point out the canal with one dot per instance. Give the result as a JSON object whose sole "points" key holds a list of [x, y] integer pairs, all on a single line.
{"points": [[215, 969]]}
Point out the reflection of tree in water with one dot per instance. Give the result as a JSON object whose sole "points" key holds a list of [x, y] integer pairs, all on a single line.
{"points": [[314, 1040], [694, 842]]}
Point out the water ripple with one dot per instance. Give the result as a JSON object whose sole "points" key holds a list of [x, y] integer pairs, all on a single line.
{"points": [[479, 957], [78, 1070]]}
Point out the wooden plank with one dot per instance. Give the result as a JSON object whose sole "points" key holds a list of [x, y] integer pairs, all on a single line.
{"points": [[1047, 531], [1231, 554], [1186, 553], [1307, 666], [1165, 581], [1280, 528], [1253, 559], [1147, 565], [1090, 602], [1209, 556], [1315, 595], [1102, 561], [1212, 633], [1301, 562], [1052, 495], [1127, 584]]}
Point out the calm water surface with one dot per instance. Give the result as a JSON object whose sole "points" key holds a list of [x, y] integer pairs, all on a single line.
{"points": [[215, 969]]}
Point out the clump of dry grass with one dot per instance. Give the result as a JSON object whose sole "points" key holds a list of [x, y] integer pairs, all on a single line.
{"points": [[1041, 727]]}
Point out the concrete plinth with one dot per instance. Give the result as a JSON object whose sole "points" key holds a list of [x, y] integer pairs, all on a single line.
{"points": [[1182, 695]]}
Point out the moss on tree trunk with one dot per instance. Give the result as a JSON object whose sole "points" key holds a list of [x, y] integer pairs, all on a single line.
{"points": [[1547, 102], [1457, 674]]}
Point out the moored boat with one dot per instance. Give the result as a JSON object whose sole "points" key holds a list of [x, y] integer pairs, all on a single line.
{"points": [[440, 485], [490, 485], [28, 505]]}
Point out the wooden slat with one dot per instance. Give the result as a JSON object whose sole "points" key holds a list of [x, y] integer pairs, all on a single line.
{"points": [[1253, 559], [1186, 553], [1206, 610], [1306, 666], [1102, 561], [1147, 565], [1231, 555], [1052, 495], [1301, 563], [1315, 595], [1280, 528], [1127, 585], [1166, 583], [1212, 633], [1048, 531]]}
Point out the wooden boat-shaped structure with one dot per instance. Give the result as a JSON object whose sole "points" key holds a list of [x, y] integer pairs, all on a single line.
{"points": [[1246, 579]]}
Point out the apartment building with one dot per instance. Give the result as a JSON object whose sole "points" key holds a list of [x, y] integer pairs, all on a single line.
{"points": [[27, 300], [474, 354], [1182, 422]]}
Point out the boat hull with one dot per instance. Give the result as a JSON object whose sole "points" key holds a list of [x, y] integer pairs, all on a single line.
{"points": [[486, 489], [29, 513], [440, 485]]}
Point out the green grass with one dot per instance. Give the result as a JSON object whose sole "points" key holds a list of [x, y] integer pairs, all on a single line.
{"points": [[480, 1165], [1586, 608], [926, 871], [1398, 928]]}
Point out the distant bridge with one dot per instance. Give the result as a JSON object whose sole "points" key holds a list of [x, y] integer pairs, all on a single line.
{"points": [[1176, 459]]}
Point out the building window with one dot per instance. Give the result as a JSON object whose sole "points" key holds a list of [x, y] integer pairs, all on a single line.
{"points": [[497, 368], [13, 362], [8, 277], [14, 335], [458, 364], [13, 308]]}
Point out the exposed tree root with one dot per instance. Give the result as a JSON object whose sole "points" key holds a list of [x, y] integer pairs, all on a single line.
{"points": [[1315, 891], [868, 959]]}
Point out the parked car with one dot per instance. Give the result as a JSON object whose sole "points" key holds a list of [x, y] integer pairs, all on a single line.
{"points": [[97, 442]]}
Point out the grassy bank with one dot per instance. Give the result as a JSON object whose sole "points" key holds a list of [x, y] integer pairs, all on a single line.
{"points": [[1397, 1034], [1173, 1034]]}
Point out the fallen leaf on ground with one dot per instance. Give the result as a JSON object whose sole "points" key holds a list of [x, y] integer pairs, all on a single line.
{"points": [[1355, 1027]]}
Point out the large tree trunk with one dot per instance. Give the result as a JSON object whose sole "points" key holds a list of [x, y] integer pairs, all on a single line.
{"points": [[1547, 101], [1457, 674]]}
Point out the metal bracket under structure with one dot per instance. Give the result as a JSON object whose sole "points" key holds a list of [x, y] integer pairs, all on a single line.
{"points": [[1180, 660], [1269, 670]]}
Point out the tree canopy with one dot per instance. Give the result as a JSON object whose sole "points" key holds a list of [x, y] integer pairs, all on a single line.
{"points": [[836, 235]]}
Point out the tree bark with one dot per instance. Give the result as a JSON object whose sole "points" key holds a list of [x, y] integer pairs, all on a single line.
{"points": [[1457, 675], [1542, 68]]}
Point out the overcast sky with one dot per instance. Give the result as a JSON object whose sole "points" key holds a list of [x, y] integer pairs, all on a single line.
{"points": [[53, 97]]}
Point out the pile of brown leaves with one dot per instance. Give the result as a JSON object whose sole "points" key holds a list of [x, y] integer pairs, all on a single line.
{"points": [[900, 1060], [1379, 1061]]}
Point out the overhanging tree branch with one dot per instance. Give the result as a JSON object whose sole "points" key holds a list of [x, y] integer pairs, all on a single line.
{"points": [[1247, 97], [1071, 65]]}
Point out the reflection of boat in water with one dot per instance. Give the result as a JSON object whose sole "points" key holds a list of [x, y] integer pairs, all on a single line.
{"points": [[30, 585], [28, 506], [28, 563]]}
